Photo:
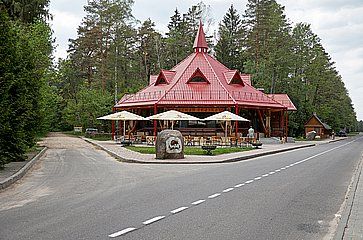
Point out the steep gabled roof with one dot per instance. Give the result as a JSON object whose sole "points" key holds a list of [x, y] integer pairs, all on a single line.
{"points": [[326, 126], [164, 77], [233, 77], [284, 100], [221, 89]]}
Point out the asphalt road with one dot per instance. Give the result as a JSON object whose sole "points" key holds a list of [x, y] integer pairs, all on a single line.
{"points": [[79, 192]]}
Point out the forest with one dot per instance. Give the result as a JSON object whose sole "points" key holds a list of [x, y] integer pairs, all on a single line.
{"points": [[114, 53]]}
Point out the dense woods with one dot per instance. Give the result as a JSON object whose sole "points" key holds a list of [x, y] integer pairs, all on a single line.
{"points": [[114, 54]]}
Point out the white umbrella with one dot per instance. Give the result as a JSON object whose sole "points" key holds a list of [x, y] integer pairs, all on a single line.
{"points": [[226, 116], [124, 116], [173, 115]]}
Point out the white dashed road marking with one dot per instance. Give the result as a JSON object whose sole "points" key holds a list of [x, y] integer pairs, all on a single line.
{"points": [[198, 202], [249, 181], [178, 210], [119, 233], [227, 190], [258, 178], [153, 220], [239, 185], [214, 195]]}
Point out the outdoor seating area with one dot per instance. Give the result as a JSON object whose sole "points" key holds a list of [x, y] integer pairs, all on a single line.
{"points": [[192, 141], [201, 137]]}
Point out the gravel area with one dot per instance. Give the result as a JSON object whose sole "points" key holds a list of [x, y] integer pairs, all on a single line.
{"points": [[63, 141]]}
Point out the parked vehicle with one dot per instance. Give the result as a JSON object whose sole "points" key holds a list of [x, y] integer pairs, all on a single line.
{"points": [[341, 133], [91, 130]]}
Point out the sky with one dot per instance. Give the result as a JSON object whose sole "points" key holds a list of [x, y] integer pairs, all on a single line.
{"points": [[339, 24]]}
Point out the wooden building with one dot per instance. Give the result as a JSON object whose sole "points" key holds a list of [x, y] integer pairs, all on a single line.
{"points": [[315, 124]]}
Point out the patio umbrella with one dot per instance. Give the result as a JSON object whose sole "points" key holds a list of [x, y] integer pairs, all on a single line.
{"points": [[172, 116], [124, 116], [226, 116]]}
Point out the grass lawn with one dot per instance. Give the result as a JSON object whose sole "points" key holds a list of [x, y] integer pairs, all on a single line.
{"points": [[193, 150]]}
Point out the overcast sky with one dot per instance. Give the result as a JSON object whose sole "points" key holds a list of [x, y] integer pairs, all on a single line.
{"points": [[339, 23]]}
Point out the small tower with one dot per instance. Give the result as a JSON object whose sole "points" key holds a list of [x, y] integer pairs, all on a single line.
{"points": [[200, 44]]}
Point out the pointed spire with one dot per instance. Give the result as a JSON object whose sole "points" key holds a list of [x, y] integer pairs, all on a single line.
{"points": [[200, 44]]}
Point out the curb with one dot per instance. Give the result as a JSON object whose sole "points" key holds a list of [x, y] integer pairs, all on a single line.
{"points": [[236, 159], [19, 174], [343, 223]]}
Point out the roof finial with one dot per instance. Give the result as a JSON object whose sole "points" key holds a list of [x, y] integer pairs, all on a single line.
{"points": [[200, 44]]}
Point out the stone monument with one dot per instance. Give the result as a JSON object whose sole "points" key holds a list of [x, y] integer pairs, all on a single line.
{"points": [[169, 145]]}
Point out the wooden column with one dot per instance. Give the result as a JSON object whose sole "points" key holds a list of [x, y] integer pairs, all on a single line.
{"points": [[268, 123], [260, 116], [283, 123], [237, 110]]}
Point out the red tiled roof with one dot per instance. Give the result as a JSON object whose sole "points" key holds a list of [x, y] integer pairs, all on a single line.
{"points": [[217, 91], [246, 78], [233, 77], [166, 75], [284, 100]]}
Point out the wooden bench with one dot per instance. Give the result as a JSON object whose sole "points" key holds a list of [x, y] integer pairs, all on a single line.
{"points": [[209, 148], [125, 143], [256, 144]]}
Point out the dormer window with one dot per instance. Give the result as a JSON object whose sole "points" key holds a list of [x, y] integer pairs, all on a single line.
{"points": [[236, 80], [198, 77], [162, 81], [233, 77], [164, 77]]}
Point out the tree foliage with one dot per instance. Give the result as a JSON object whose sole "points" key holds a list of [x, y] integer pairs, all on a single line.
{"points": [[229, 48], [25, 50]]}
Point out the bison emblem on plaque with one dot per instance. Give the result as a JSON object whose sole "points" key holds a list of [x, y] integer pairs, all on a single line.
{"points": [[173, 145]]}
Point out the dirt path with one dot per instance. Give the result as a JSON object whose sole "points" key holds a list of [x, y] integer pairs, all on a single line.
{"points": [[56, 140]]}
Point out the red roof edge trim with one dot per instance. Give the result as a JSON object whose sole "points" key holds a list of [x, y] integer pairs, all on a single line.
{"points": [[153, 79], [233, 77], [197, 73]]}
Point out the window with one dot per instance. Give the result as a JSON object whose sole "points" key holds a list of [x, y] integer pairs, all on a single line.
{"points": [[198, 77], [162, 81], [236, 80]]}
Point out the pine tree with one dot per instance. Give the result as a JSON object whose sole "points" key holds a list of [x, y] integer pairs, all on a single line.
{"points": [[149, 49], [92, 49], [229, 46], [268, 44]]}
